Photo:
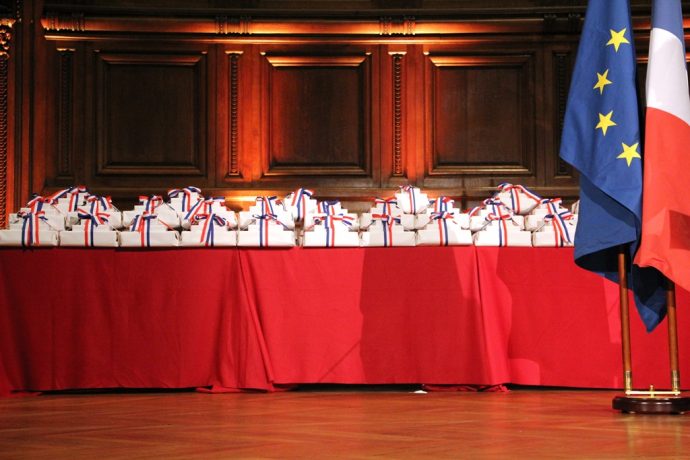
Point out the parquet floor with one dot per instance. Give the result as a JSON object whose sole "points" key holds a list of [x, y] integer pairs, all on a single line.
{"points": [[335, 423]]}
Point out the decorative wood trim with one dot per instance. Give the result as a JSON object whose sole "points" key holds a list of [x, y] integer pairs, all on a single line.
{"points": [[5, 40], [397, 113], [74, 22], [562, 71], [65, 110], [233, 26], [233, 168], [315, 61]]}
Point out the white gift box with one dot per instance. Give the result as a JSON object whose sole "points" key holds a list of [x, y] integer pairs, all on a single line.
{"points": [[221, 237], [55, 218], [443, 230], [384, 234], [266, 231], [165, 213], [322, 237], [70, 199], [81, 235], [114, 216], [152, 239], [387, 206], [477, 222], [411, 200], [406, 220], [462, 219], [494, 207], [31, 229], [549, 236], [502, 232], [13, 237], [266, 205], [300, 203], [517, 198], [182, 199], [209, 206]]}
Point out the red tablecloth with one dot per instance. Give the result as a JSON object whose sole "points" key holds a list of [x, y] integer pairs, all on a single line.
{"points": [[246, 318]]}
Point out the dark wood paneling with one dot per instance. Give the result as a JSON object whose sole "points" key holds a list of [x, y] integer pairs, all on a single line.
{"points": [[318, 115], [150, 114], [480, 116]]}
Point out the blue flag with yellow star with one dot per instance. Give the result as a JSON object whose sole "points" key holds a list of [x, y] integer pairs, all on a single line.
{"points": [[601, 138]]}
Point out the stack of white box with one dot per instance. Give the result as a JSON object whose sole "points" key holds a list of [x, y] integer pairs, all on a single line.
{"points": [[152, 206], [443, 224], [90, 230], [266, 224], [149, 230], [70, 199], [553, 225], [495, 224], [28, 229], [330, 225], [300, 203], [38, 204], [98, 206], [386, 225], [209, 230]]}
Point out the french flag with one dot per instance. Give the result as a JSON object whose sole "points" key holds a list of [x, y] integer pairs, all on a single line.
{"points": [[665, 240]]}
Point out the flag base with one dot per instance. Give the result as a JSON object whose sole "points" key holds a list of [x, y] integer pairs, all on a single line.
{"points": [[652, 404]]}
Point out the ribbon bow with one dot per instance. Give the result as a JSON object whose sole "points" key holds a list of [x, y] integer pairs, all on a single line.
{"points": [[560, 228], [99, 204], [142, 224], [327, 207], [264, 221], [299, 201], [37, 202], [330, 222], [386, 204], [211, 221], [186, 196], [387, 222], [90, 222], [73, 192], [515, 192], [443, 203], [267, 204], [502, 220], [31, 228], [150, 203]]}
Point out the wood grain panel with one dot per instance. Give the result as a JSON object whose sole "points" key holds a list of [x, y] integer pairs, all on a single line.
{"points": [[318, 115], [151, 114], [481, 115]]}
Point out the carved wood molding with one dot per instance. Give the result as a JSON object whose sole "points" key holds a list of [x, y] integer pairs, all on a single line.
{"points": [[233, 168], [397, 113], [64, 119], [5, 41]]}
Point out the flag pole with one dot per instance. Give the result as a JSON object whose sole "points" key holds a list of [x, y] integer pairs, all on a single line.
{"points": [[625, 317], [672, 335], [652, 401]]}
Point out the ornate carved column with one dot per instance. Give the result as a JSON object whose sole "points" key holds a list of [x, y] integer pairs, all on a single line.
{"points": [[5, 38]]}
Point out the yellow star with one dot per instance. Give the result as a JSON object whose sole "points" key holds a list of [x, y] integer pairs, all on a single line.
{"points": [[629, 152], [617, 38], [605, 121], [602, 81]]}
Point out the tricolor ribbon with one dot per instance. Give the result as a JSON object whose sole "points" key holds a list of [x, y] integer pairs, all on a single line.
{"points": [[443, 204], [31, 228], [515, 192], [99, 204], [201, 207], [442, 219], [330, 224], [299, 201], [267, 204], [502, 226], [387, 222], [186, 196], [497, 208], [412, 196], [142, 224], [74, 194], [264, 221], [37, 202], [560, 227], [385, 205], [211, 221], [327, 207], [91, 222], [150, 203]]}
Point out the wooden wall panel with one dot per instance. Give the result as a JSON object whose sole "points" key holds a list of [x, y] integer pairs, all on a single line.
{"points": [[150, 114]]}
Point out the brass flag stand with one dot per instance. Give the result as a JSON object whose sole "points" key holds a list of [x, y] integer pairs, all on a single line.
{"points": [[649, 401]]}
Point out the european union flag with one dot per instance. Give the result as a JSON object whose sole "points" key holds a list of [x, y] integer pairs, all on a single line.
{"points": [[601, 138]]}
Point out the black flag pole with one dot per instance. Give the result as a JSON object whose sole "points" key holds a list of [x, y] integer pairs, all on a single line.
{"points": [[648, 401]]}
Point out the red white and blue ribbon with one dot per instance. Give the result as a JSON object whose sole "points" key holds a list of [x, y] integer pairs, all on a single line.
{"points": [[150, 203], [299, 201], [560, 227], [202, 207], [99, 204], [443, 204], [502, 221], [265, 221], [442, 219], [210, 222], [187, 193], [412, 196], [142, 223], [267, 204], [385, 205], [327, 207], [37, 202], [497, 208], [31, 228], [330, 223], [515, 192], [387, 222], [74, 193], [90, 222]]}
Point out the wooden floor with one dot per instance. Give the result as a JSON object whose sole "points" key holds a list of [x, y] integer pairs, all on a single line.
{"points": [[341, 422]]}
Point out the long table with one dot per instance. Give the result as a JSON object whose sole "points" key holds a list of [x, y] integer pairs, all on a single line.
{"points": [[240, 318]]}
